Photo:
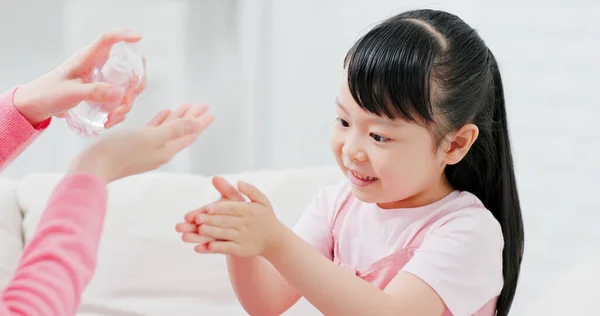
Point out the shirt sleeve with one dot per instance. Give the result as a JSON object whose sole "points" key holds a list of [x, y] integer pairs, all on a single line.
{"points": [[60, 260], [461, 259], [16, 133], [315, 224]]}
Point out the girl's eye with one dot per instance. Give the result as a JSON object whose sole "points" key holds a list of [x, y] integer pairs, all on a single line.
{"points": [[343, 122], [379, 138]]}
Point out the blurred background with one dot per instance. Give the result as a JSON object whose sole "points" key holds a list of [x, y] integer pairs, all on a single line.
{"points": [[270, 71]]}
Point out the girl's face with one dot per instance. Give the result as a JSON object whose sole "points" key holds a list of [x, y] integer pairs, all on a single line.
{"points": [[393, 163]]}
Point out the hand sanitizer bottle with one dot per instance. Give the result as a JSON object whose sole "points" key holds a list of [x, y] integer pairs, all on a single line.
{"points": [[124, 62]]}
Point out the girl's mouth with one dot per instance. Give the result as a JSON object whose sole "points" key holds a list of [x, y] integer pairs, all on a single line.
{"points": [[361, 180]]}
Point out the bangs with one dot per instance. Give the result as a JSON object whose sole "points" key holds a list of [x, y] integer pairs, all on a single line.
{"points": [[390, 68]]}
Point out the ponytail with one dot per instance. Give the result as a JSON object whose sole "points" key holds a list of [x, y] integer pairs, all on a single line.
{"points": [[487, 171], [504, 201]]}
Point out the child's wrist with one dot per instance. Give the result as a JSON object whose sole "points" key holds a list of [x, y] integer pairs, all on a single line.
{"points": [[87, 163], [282, 238]]}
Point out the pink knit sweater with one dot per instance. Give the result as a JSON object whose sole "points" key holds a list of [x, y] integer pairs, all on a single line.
{"points": [[60, 260]]}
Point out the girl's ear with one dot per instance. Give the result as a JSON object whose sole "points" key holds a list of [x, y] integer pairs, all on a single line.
{"points": [[459, 143]]}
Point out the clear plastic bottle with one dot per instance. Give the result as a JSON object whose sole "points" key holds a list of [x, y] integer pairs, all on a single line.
{"points": [[124, 62]]}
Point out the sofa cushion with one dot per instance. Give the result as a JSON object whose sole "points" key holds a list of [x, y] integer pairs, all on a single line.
{"points": [[144, 268], [11, 240]]}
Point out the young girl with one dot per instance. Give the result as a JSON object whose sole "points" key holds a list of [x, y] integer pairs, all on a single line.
{"points": [[429, 221], [60, 260]]}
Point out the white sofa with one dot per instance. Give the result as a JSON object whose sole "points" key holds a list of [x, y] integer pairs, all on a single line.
{"points": [[144, 268]]}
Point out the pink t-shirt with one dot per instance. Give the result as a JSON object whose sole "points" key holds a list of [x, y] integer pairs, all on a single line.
{"points": [[460, 256]]}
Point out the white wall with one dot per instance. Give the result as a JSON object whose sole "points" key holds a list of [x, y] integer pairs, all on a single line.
{"points": [[267, 66]]}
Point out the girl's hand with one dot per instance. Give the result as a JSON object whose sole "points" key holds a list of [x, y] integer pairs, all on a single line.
{"points": [[189, 228], [126, 153], [66, 86], [242, 229]]}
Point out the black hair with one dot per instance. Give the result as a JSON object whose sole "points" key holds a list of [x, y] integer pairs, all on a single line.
{"points": [[431, 67]]}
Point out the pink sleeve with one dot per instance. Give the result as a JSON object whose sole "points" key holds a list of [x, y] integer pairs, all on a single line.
{"points": [[315, 224], [60, 260], [16, 133], [461, 259]]}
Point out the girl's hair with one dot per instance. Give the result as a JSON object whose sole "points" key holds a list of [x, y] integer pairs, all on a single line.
{"points": [[431, 67]]}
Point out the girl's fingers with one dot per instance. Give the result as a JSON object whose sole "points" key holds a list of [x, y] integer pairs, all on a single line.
{"points": [[222, 247], [179, 112], [129, 98], [114, 119], [186, 228], [222, 221], [159, 118], [197, 110], [190, 216], [98, 51], [179, 144], [194, 238], [218, 232]]}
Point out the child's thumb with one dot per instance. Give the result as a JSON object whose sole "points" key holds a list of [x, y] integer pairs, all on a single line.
{"points": [[227, 190], [253, 193]]}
